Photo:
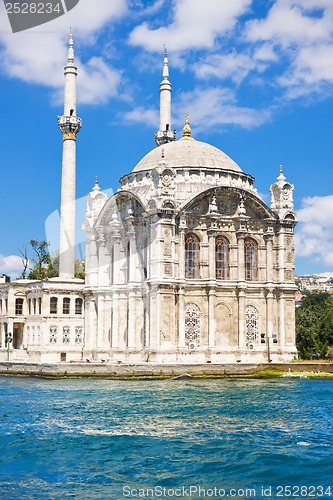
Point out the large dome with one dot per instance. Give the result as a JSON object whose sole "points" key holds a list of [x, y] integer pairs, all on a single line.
{"points": [[187, 153]]}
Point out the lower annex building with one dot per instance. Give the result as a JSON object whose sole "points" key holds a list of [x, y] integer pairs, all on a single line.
{"points": [[184, 263]]}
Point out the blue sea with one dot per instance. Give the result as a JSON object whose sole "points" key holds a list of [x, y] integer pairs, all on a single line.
{"points": [[108, 439]]}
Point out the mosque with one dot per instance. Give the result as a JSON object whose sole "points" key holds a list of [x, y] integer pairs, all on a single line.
{"points": [[185, 263]]}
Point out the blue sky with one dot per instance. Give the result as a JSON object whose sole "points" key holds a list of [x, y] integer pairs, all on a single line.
{"points": [[256, 77]]}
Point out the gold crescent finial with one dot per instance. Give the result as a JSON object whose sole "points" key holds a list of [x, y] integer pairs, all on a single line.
{"points": [[187, 129]]}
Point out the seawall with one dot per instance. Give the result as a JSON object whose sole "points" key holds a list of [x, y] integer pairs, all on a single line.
{"points": [[151, 370]]}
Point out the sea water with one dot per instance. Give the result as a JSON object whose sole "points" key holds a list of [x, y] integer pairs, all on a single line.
{"points": [[105, 439]]}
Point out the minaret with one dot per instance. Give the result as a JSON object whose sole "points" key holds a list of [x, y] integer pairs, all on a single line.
{"points": [[165, 134], [69, 125]]}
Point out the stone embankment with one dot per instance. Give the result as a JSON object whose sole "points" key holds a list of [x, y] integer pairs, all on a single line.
{"points": [[151, 370]]}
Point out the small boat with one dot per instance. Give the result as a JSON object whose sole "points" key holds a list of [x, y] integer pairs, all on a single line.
{"points": [[293, 375]]}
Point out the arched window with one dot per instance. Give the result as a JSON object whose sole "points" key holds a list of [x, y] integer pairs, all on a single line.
{"points": [[192, 256], [66, 303], [39, 305], [251, 259], [53, 305], [29, 305], [252, 328], [19, 306], [34, 305], [222, 257], [78, 306]]}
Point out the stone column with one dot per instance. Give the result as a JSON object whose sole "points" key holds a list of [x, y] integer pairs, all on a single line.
{"points": [[115, 338], [181, 252], [282, 331], [269, 312], [90, 326], [211, 317], [103, 262], [154, 318], [241, 319], [93, 262], [211, 255], [269, 257], [241, 262], [100, 320], [181, 315], [131, 338], [24, 340], [281, 255], [2, 335]]}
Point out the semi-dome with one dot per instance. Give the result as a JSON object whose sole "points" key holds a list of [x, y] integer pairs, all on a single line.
{"points": [[187, 153]]}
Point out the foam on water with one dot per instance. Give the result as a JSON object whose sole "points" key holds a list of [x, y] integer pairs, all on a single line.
{"points": [[91, 438]]}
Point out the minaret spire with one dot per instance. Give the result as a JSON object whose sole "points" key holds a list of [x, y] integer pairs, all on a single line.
{"points": [[69, 125], [165, 134]]}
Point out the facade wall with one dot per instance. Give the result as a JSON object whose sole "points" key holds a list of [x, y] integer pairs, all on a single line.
{"points": [[157, 312]]}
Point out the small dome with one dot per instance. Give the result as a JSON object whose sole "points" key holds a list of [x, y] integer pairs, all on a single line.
{"points": [[187, 153]]}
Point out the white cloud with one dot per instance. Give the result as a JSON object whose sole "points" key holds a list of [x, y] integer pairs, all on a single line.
{"points": [[233, 65], [148, 117], [11, 265], [217, 106], [314, 234], [292, 22], [301, 32], [195, 24], [39, 54], [311, 71]]}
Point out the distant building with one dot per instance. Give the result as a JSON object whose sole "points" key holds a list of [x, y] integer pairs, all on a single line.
{"points": [[185, 263]]}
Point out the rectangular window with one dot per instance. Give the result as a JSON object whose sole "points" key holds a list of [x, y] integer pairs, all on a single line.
{"points": [[78, 306], [66, 303], [18, 307], [53, 305]]}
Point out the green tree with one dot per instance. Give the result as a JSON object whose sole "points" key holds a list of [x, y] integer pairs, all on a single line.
{"points": [[42, 263], [314, 325], [79, 266]]}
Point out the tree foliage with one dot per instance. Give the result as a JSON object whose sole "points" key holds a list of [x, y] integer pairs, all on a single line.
{"points": [[314, 325], [42, 263], [46, 265]]}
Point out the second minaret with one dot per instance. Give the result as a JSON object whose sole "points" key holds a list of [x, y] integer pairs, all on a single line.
{"points": [[69, 125]]}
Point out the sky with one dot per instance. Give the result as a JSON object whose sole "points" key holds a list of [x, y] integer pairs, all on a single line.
{"points": [[255, 76]]}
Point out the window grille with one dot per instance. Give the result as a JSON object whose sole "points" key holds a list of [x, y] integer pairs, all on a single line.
{"points": [[192, 326], [252, 327]]}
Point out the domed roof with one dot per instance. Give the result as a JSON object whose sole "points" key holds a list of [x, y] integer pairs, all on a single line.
{"points": [[187, 153]]}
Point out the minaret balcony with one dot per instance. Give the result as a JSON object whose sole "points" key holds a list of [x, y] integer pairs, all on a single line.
{"points": [[69, 126], [164, 136]]}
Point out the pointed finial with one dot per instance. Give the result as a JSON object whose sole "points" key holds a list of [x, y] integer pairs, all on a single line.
{"points": [[281, 175], [96, 186], [187, 129], [165, 65]]}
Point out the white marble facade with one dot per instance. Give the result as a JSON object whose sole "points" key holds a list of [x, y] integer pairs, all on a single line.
{"points": [[186, 263]]}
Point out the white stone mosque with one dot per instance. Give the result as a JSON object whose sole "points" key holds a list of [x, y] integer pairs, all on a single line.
{"points": [[185, 263]]}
